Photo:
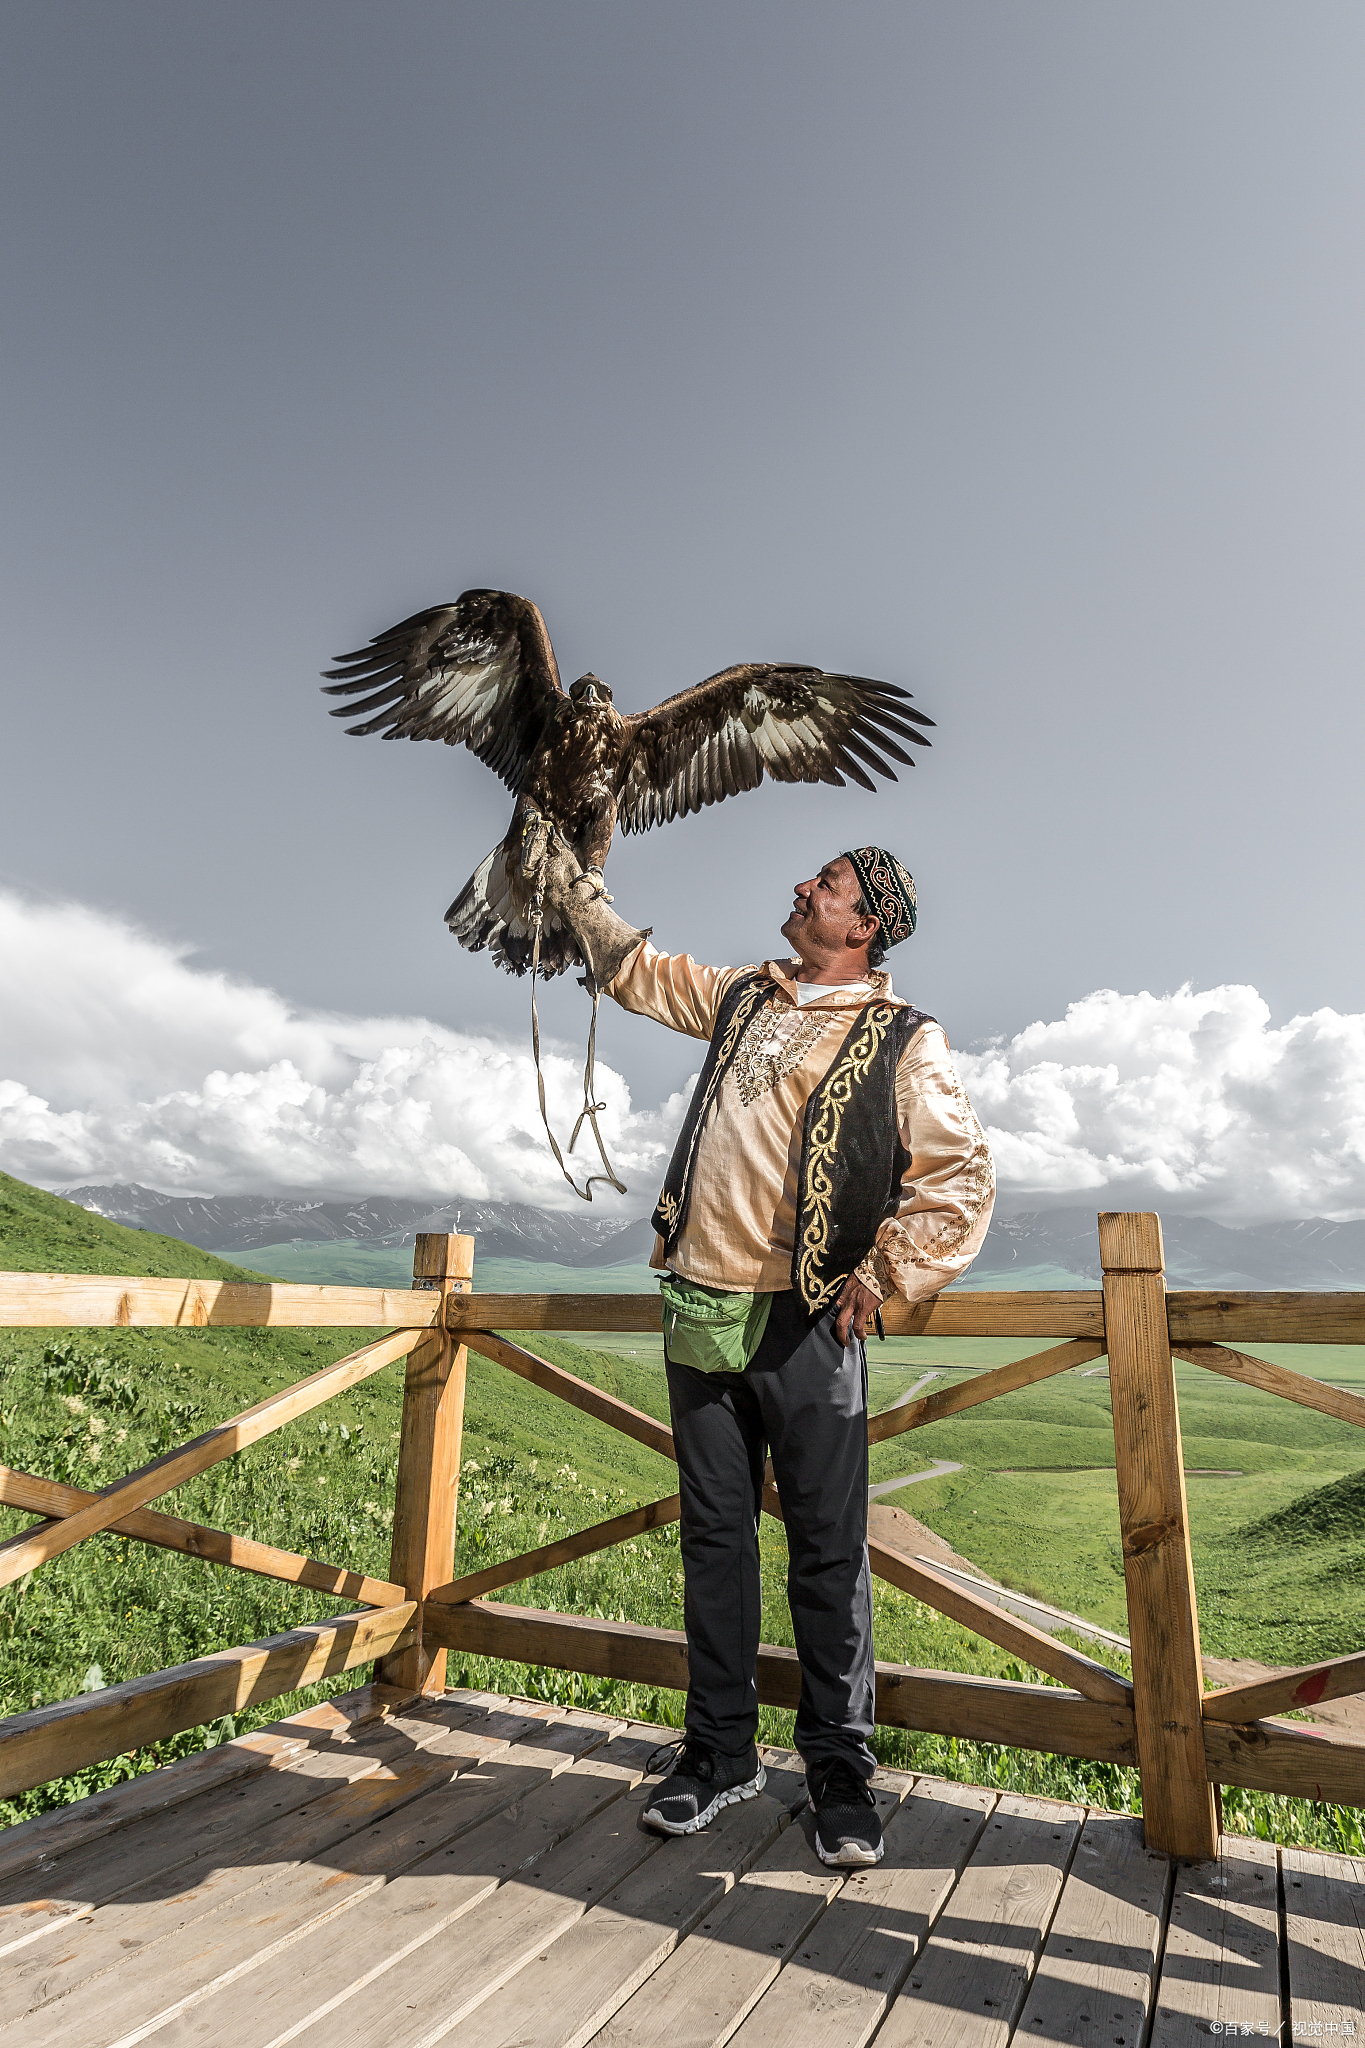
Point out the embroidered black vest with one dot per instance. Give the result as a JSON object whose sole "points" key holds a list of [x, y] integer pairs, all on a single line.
{"points": [[852, 1159]]}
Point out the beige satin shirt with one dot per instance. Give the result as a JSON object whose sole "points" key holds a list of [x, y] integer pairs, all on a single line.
{"points": [[740, 1231]]}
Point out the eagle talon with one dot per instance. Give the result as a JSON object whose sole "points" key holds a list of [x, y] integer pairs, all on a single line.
{"points": [[597, 882]]}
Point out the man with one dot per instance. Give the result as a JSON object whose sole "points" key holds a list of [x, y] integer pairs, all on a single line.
{"points": [[829, 1157]]}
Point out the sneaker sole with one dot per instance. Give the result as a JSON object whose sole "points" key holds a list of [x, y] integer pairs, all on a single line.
{"points": [[731, 1797], [851, 1856]]}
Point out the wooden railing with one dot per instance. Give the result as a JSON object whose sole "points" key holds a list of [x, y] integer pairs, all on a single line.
{"points": [[1183, 1741]]}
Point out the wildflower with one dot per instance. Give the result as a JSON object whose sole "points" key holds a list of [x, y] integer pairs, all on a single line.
{"points": [[74, 1403]]}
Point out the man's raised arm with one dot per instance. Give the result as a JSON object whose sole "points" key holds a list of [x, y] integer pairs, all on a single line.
{"points": [[672, 989]]}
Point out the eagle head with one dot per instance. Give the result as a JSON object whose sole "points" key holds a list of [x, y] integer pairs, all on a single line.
{"points": [[589, 689]]}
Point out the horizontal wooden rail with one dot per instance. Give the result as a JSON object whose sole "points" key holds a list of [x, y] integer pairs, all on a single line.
{"points": [[74, 1300], [1077, 1312], [192, 1539], [1286, 1757], [1003, 1379], [51, 1741], [946, 1703], [1275, 1379], [1203, 1317], [601, 1536], [632, 1422], [32, 1547], [1337, 1678]]}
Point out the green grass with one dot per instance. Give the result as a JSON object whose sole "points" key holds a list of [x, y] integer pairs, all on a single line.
{"points": [[1280, 1554]]}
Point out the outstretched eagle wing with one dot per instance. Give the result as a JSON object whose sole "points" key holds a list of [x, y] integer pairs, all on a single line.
{"points": [[481, 671], [774, 718]]}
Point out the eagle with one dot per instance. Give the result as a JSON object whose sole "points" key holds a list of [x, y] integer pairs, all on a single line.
{"points": [[482, 673]]}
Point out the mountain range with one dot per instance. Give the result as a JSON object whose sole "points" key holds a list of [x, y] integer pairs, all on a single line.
{"points": [[1054, 1247]]}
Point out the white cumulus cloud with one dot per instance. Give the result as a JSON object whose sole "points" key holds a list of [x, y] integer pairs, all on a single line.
{"points": [[120, 1059], [1193, 1100]]}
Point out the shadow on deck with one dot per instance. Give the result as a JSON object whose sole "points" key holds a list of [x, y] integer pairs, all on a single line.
{"points": [[405, 1871]]}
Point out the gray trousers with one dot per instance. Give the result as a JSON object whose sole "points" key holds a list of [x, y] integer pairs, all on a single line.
{"points": [[804, 1399]]}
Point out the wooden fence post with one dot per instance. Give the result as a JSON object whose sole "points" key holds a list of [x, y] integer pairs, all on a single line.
{"points": [[429, 1458], [1178, 1809]]}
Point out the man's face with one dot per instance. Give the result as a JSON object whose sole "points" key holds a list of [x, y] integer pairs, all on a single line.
{"points": [[823, 912]]}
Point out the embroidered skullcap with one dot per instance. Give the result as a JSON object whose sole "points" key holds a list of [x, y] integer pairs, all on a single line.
{"points": [[888, 890]]}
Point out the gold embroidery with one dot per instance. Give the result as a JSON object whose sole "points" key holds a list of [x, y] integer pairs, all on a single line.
{"points": [[762, 1062], [670, 1205], [836, 1092]]}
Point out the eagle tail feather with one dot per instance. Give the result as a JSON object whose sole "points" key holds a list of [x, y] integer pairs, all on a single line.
{"points": [[493, 909]]}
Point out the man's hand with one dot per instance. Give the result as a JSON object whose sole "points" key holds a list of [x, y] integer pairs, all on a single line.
{"points": [[857, 1306]]}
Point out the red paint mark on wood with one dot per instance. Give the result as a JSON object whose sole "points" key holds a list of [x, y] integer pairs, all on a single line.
{"points": [[1311, 1691]]}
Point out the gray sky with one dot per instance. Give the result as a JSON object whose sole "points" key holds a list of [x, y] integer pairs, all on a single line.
{"points": [[1010, 353]]}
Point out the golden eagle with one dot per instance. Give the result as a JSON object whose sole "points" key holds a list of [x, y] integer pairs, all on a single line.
{"points": [[482, 671]]}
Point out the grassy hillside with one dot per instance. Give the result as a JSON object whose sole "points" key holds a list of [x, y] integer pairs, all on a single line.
{"points": [[84, 1406]]}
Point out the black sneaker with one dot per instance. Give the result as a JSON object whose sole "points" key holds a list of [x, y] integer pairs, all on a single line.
{"points": [[848, 1827], [701, 1781]]}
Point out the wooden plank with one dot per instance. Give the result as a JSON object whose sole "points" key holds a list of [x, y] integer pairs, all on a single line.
{"points": [[702, 1992], [50, 1741], [1064, 1312], [1335, 1679], [989, 1386], [1286, 1756], [92, 1301], [571, 1988], [32, 1547], [541, 1800], [1097, 1972], [836, 1989], [192, 1539], [552, 1379], [497, 1938], [1202, 1316], [1163, 1619], [35, 1902], [428, 1481], [76, 1982], [1221, 1969], [40, 1841], [1324, 1931], [601, 1536], [973, 1976], [191, 1948], [978, 1709], [1275, 1379]]}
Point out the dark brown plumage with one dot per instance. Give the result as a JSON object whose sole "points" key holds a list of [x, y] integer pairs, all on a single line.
{"points": [[482, 673]]}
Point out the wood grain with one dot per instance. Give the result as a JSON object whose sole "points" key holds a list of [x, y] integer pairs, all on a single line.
{"points": [[32, 1547], [969, 1984], [1201, 1316], [1097, 1973], [92, 1301], [978, 1709], [620, 1529], [590, 1400], [989, 1386], [1335, 1679], [1064, 1312], [1275, 1379], [428, 1481], [192, 1539], [51, 1741], [837, 1987], [1163, 1621], [1286, 1756], [1221, 1969], [1324, 1925]]}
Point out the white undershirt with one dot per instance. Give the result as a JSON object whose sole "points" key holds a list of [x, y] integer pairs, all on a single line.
{"points": [[809, 991]]}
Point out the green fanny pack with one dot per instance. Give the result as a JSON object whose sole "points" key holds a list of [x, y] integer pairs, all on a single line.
{"points": [[709, 1329]]}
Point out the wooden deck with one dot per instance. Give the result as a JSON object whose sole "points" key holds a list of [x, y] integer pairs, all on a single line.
{"points": [[473, 1870]]}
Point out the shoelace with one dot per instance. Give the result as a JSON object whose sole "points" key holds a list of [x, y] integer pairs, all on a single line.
{"points": [[684, 1752], [841, 1786]]}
